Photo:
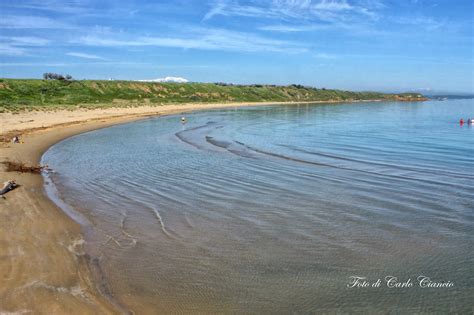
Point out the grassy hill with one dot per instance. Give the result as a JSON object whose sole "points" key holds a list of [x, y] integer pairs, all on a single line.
{"points": [[16, 95]]}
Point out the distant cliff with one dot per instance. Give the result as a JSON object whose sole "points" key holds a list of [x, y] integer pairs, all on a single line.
{"points": [[18, 94]]}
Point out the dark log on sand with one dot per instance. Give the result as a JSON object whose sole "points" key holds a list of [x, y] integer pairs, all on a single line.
{"points": [[7, 186]]}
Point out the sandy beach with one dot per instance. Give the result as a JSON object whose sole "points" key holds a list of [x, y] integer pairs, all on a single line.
{"points": [[44, 269], [37, 120]]}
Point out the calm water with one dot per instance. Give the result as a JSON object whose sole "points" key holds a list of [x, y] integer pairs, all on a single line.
{"points": [[273, 209]]}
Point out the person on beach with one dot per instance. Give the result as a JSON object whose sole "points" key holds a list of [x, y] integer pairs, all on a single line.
{"points": [[16, 139], [46, 169]]}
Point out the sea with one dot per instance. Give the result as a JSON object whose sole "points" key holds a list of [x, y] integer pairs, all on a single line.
{"points": [[283, 209]]}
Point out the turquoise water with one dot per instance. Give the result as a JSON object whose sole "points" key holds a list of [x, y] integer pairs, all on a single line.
{"points": [[273, 209]]}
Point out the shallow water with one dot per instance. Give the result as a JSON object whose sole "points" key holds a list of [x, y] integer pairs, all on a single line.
{"points": [[272, 209]]}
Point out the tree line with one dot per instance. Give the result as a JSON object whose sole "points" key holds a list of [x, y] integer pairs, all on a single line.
{"points": [[56, 76]]}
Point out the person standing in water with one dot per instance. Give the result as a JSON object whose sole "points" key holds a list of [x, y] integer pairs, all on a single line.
{"points": [[183, 120]]}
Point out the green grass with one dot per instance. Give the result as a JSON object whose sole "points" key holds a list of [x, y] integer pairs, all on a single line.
{"points": [[25, 94]]}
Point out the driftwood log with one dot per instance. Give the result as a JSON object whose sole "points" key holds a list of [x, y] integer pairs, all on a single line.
{"points": [[7, 186]]}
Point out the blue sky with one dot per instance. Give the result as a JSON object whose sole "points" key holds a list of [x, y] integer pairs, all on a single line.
{"points": [[385, 45]]}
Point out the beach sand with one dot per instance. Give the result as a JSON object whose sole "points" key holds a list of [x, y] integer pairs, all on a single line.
{"points": [[43, 267]]}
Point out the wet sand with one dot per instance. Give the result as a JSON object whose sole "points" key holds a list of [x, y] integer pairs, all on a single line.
{"points": [[43, 266]]}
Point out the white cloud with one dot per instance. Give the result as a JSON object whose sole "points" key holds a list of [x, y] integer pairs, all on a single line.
{"points": [[15, 45], [83, 55], [229, 8], [287, 28], [73, 64], [204, 39], [27, 22], [217, 9], [60, 6], [324, 56], [419, 21], [332, 6], [325, 10], [25, 41], [9, 50]]}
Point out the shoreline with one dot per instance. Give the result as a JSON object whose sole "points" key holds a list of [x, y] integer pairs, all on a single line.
{"points": [[46, 269], [28, 121]]}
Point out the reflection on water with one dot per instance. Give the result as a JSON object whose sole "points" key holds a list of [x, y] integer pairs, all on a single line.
{"points": [[272, 209]]}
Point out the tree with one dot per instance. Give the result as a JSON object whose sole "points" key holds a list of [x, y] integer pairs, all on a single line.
{"points": [[56, 76]]}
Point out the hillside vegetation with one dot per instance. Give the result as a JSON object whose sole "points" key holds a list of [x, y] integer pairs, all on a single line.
{"points": [[17, 95]]}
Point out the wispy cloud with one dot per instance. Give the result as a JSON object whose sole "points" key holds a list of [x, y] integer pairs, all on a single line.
{"points": [[350, 17], [204, 39], [25, 40], [427, 23], [9, 50], [291, 28], [60, 6], [29, 22], [325, 56], [324, 10], [230, 8], [330, 5], [85, 56], [72, 64], [17, 46]]}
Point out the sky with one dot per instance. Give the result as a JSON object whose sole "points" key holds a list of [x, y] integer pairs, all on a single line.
{"points": [[382, 45]]}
